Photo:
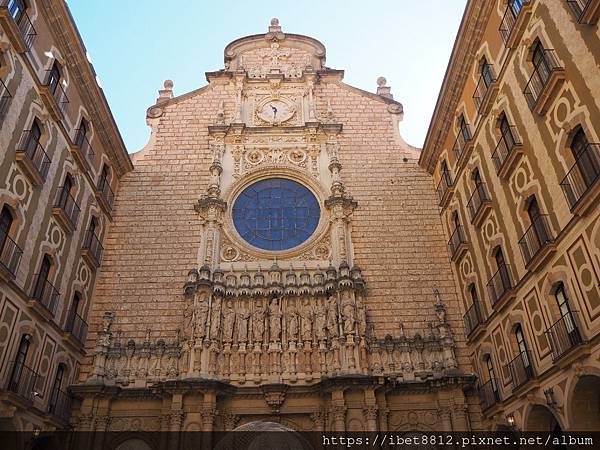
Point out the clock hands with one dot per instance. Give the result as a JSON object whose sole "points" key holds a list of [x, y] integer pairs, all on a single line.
{"points": [[274, 111]]}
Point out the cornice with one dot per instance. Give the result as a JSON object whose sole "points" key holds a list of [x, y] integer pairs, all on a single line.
{"points": [[467, 42], [68, 40]]}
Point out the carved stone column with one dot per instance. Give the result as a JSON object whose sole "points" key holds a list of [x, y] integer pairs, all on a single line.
{"points": [[445, 418], [337, 411], [230, 420], [175, 421], [459, 418], [318, 419]]}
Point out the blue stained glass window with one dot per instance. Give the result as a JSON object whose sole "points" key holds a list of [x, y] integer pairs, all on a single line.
{"points": [[276, 214]]}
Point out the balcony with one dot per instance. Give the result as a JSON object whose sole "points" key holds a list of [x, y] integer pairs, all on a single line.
{"points": [[473, 318], [500, 286], [486, 90], [92, 249], [580, 185], [479, 204], [585, 11], [32, 158], [65, 210], [10, 256], [76, 327], [489, 394], [60, 405], [564, 335], [537, 243], [5, 98], [17, 25], [22, 380], [521, 369], [445, 188], [55, 98], [105, 196], [514, 21], [83, 151], [507, 154], [462, 148], [457, 245], [545, 82], [46, 296]]}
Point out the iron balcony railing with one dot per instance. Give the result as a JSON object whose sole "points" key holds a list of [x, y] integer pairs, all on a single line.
{"points": [[535, 237], [540, 76], [457, 238], [21, 19], [489, 394], [31, 147], [66, 202], [22, 380], [76, 326], [462, 139], [473, 317], [478, 197], [10, 254], [564, 334], [46, 294], [84, 145], [507, 143], [60, 405], [583, 175], [578, 7], [486, 78], [500, 283], [509, 20], [92, 243], [5, 98], [58, 92], [106, 192], [444, 184], [521, 369]]}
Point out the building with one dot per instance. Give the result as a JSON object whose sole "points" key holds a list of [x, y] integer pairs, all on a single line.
{"points": [[61, 156], [513, 148], [231, 293]]}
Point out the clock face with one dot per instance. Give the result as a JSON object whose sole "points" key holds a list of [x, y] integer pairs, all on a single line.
{"points": [[275, 111]]}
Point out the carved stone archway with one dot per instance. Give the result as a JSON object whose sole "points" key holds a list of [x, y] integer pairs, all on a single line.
{"points": [[265, 436]]}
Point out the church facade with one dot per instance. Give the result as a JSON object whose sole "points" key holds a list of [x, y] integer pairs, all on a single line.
{"points": [[276, 255]]}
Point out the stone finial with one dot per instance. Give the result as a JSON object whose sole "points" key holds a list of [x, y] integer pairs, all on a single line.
{"points": [[166, 93], [382, 89], [274, 27]]}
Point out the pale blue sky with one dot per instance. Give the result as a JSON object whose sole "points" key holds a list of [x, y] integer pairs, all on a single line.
{"points": [[136, 45]]}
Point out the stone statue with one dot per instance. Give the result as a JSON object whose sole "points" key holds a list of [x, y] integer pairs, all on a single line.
{"points": [[362, 321], [215, 318], [332, 324], [242, 324], [349, 313], [258, 322], [201, 316], [228, 321], [320, 322], [292, 325], [306, 318], [275, 321]]}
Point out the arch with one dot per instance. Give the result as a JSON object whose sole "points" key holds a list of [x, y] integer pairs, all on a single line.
{"points": [[264, 435], [584, 403], [538, 417]]}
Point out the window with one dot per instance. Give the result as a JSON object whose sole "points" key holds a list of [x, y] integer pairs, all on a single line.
{"points": [[104, 178], [540, 63], [477, 177], [515, 6], [565, 310], [506, 132], [587, 160], [486, 72], [53, 78], [65, 192], [81, 134], [73, 311], [42, 278], [276, 214], [33, 139], [455, 220], [464, 129], [56, 387], [20, 362], [491, 373], [17, 9], [522, 347], [502, 268], [6, 220], [536, 219], [445, 173], [473, 292]]}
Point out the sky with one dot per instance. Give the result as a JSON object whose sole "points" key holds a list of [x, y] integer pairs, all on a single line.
{"points": [[135, 46]]}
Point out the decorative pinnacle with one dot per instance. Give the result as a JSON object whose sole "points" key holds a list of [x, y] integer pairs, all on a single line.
{"points": [[382, 89], [274, 27]]}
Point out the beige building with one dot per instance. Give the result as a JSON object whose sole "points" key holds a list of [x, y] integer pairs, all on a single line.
{"points": [[513, 147], [61, 156], [276, 255]]}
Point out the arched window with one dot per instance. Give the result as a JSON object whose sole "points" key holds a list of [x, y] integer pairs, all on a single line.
{"points": [[57, 388], [445, 173], [567, 317], [65, 192], [486, 72], [17, 9], [464, 128], [523, 351], [20, 365], [33, 139], [73, 311], [587, 161], [502, 269], [81, 134], [6, 221], [491, 373], [473, 293], [506, 133], [542, 66], [541, 233], [455, 220], [53, 78], [515, 6], [42, 278]]}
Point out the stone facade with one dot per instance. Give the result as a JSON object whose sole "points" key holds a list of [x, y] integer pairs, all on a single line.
{"points": [[358, 328], [513, 149], [61, 155]]}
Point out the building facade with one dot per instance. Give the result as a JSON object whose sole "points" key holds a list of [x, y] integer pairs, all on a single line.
{"points": [[513, 148], [61, 156], [276, 255]]}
